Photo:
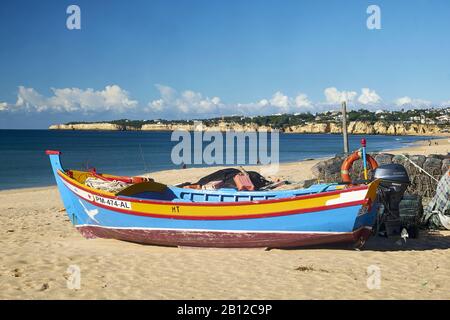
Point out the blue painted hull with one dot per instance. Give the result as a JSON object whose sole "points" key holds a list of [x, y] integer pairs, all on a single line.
{"points": [[347, 223]]}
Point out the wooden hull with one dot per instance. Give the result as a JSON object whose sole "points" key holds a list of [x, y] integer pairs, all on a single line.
{"points": [[223, 239], [345, 215]]}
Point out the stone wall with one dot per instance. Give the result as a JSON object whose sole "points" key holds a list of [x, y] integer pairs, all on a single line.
{"points": [[421, 184]]}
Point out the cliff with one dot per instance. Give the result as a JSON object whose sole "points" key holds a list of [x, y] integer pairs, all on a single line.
{"points": [[91, 126], [354, 127], [360, 127], [221, 127]]}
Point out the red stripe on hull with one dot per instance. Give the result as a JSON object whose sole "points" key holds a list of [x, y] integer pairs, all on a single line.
{"points": [[219, 239], [212, 204], [252, 216]]}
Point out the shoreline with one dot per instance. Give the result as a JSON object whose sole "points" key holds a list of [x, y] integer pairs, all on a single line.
{"points": [[40, 245], [416, 146], [432, 135]]}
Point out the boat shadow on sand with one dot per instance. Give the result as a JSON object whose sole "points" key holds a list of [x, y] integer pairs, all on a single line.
{"points": [[427, 240]]}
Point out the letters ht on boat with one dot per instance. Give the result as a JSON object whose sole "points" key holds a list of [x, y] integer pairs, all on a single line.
{"points": [[153, 213]]}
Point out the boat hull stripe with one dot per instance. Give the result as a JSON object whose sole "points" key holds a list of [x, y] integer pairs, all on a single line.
{"points": [[222, 239], [212, 204]]}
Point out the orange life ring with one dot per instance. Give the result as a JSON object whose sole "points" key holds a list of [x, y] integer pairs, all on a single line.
{"points": [[348, 162]]}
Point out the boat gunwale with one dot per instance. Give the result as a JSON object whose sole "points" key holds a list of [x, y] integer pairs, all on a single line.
{"points": [[212, 204]]}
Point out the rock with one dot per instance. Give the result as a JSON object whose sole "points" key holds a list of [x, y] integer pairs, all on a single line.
{"points": [[156, 127], [422, 185], [354, 127], [383, 158], [44, 287], [432, 163], [399, 159], [400, 129], [17, 273], [391, 129], [335, 128], [87, 126], [332, 166], [418, 159], [317, 169], [309, 183], [328, 170], [436, 156], [380, 127]]}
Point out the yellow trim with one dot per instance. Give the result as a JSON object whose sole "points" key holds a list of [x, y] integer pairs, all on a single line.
{"points": [[81, 185], [249, 209], [255, 208], [80, 176], [372, 190]]}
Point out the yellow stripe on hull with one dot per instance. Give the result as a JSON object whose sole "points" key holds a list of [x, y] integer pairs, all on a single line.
{"points": [[226, 209]]}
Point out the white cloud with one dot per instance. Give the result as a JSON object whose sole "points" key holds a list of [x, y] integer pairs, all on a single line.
{"points": [[263, 103], [369, 97], [112, 98], [188, 102], [194, 103], [278, 103], [411, 103], [334, 96], [167, 93], [402, 101], [302, 100], [280, 100], [191, 104], [157, 105]]}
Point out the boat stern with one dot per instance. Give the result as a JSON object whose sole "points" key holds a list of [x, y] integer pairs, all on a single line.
{"points": [[367, 214]]}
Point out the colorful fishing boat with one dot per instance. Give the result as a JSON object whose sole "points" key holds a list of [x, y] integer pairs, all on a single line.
{"points": [[153, 213]]}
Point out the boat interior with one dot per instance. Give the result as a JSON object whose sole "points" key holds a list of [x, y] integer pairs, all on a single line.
{"points": [[152, 190]]}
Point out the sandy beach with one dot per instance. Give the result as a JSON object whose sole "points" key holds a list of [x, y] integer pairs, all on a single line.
{"points": [[39, 244]]}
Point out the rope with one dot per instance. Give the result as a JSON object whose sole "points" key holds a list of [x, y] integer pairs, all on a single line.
{"points": [[110, 186]]}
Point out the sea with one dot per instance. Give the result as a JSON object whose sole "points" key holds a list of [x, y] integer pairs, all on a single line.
{"points": [[23, 162]]}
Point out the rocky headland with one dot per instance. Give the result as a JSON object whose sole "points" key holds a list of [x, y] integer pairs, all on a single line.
{"points": [[354, 127]]}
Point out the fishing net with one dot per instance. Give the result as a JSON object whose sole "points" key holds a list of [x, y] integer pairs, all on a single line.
{"points": [[421, 183], [437, 212], [110, 186]]}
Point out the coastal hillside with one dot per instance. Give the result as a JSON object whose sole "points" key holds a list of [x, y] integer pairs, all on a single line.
{"points": [[405, 122], [354, 127]]}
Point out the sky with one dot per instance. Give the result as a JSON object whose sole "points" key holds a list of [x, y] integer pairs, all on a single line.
{"points": [[189, 59]]}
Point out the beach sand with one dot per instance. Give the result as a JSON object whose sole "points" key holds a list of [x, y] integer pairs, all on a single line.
{"points": [[39, 244]]}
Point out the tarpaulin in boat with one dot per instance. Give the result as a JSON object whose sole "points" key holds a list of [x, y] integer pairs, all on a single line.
{"points": [[227, 175]]}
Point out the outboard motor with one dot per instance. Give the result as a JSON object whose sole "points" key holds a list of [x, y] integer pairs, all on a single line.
{"points": [[394, 182]]}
